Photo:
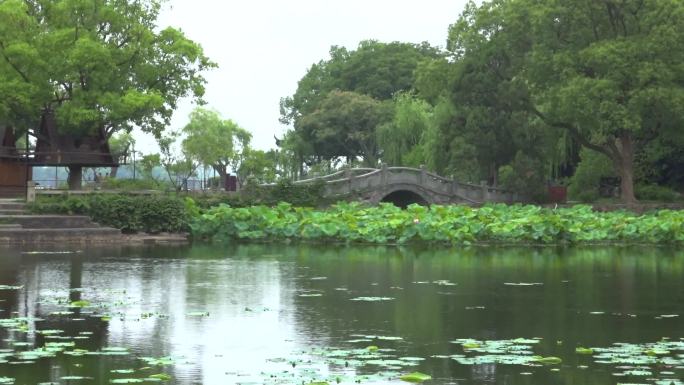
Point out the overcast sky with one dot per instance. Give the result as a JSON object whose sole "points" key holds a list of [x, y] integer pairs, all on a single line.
{"points": [[263, 47]]}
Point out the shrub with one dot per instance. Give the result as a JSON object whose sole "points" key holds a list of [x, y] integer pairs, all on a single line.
{"points": [[653, 192], [307, 195], [525, 175], [129, 213], [585, 184], [134, 184]]}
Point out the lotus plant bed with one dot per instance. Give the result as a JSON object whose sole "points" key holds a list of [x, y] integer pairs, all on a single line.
{"points": [[387, 224]]}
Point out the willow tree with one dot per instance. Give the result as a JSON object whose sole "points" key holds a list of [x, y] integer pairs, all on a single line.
{"points": [[99, 65], [607, 72], [401, 139]]}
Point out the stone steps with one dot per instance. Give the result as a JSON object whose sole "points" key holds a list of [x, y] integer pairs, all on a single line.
{"points": [[49, 221], [20, 228], [75, 235], [12, 211], [10, 205], [11, 226]]}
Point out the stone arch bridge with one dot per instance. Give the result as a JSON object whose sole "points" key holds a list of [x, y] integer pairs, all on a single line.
{"points": [[404, 185]]}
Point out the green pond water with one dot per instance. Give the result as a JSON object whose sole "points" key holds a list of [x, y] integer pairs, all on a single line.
{"points": [[300, 314]]}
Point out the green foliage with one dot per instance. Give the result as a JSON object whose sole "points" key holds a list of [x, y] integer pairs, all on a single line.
{"points": [[305, 195], [654, 192], [258, 166], [133, 184], [214, 141], [344, 125], [121, 143], [352, 222], [400, 139], [100, 65], [525, 175], [416, 377], [364, 78], [584, 185], [607, 73], [130, 213]]}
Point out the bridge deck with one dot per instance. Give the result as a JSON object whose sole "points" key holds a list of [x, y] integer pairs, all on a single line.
{"points": [[375, 184]]}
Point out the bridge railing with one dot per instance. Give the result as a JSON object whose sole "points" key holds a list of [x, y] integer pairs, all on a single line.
{"points": [[359, 180]]}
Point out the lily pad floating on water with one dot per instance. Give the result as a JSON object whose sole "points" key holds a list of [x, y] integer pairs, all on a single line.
{"points": [[126, 381], [81, 303], [385, 338], [523, 283], [548, 360], [372, 299], [49, 332], [161, 376], [162, 361], [581, 350], [310, 295], [637, 372], [75, 378], [59, 313], [198, 314], [415, 377]]}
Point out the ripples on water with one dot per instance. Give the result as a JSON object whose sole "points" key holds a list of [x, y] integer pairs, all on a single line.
{"points": [[299, 313]]}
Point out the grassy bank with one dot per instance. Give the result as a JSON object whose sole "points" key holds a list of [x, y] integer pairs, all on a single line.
{"points": [[446, 224]]}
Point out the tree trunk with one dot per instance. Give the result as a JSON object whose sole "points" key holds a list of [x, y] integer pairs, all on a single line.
{"points": [[75, 176], [113, 172], [493, 174], [625, 168]]}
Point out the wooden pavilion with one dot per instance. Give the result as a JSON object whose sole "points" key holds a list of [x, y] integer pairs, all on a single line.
{"points": [[53, 148]]}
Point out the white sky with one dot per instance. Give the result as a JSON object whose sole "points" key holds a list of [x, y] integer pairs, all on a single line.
{"points": [[263, 47]]}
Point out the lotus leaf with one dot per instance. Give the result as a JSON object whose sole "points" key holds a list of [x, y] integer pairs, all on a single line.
{"points": [[415, 377]]}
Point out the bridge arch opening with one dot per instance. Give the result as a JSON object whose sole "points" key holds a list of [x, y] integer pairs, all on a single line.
{"points": [[404, 198]]}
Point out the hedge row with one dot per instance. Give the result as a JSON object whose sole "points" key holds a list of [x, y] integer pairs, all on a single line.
{"points": [[130, 213]]}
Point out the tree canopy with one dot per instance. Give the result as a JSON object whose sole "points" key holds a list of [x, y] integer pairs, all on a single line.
{"points": [[369, 75], [100, 65], [214, 141], [607, 73]]}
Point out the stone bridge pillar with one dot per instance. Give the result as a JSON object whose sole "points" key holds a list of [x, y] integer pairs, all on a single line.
{"points": [[383, 175], [350, 176]]}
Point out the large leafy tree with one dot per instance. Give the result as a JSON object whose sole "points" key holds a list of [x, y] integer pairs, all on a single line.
{"points": [[375, 70], [608, 73], [345, 125], [100, 65], [258, 166], [216, 142]]}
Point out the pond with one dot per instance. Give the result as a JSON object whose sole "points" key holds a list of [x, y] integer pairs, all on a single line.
{"points": [[300, 314]]}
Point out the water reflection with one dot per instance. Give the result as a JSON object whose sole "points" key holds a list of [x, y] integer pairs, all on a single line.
{"points": [[269, 303]]}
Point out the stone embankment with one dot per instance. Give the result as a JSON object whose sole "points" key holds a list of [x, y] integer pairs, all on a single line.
{"points": [[17, 227]]}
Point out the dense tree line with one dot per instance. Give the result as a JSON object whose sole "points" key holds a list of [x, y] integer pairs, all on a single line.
{"points": [[526, 91]]}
